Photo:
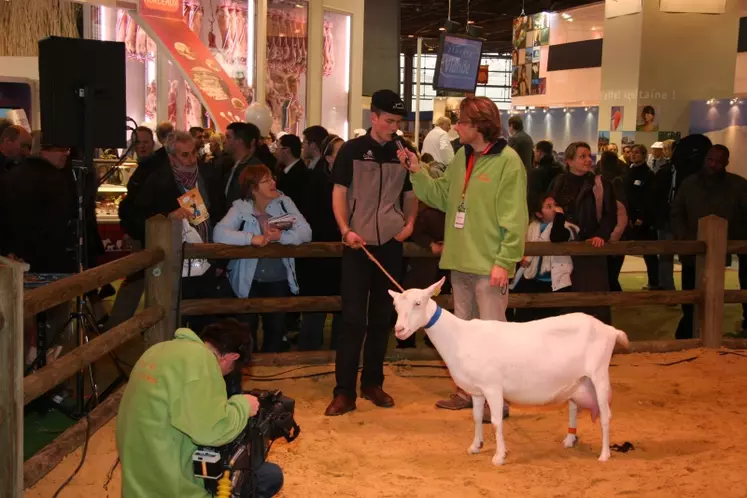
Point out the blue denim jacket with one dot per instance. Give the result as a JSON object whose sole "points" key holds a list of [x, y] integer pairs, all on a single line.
{"points": [[229, 231]]}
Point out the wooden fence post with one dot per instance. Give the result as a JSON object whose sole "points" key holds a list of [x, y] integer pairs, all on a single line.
{"points": [[11, 379], [709, 279], [162, 280]]}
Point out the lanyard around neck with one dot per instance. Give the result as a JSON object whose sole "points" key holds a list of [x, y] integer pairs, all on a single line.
{"points": [[470, 167]]}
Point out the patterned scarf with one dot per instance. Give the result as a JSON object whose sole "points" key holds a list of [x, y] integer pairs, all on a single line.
{"points": [[185, 178]]}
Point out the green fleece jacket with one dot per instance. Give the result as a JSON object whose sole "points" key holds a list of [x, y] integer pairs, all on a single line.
{"points": [[496, 216], [175, 400]]}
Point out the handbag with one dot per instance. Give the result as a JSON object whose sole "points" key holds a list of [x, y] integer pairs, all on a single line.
{"points": [[192, 267]]}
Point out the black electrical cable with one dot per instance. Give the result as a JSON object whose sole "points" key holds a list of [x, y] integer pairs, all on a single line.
{"points": [[278, 376], [82, 458]]}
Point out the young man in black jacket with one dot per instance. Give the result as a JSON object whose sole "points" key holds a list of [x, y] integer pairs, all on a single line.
{"points": [[370, 184]]}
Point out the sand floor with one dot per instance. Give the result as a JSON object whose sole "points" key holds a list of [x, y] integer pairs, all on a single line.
{"points": [[688, 423]]}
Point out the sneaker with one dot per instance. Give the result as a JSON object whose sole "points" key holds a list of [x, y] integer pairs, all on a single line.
{"points": [[455, 402]]}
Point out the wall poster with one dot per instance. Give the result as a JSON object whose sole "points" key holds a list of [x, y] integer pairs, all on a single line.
{"points": [[529, 34]]}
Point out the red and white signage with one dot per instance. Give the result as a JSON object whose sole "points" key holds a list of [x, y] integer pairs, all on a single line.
{"points": [[217, 91]]}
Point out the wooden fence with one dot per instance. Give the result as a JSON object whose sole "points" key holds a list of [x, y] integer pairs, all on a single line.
{"points": [[162, 260]]}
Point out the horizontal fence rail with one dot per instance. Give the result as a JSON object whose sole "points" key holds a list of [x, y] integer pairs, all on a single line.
{"points": [[411, 250], [55, 293], [46, 378], [521, 300]]}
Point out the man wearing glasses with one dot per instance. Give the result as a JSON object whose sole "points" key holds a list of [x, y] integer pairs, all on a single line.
{"points": [[484, 196]]}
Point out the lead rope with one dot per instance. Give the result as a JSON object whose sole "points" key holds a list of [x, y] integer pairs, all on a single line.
{"points": [[376, 262]]}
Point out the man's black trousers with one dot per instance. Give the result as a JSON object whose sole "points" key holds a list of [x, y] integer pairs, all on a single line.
{"points": [[366, 314]]}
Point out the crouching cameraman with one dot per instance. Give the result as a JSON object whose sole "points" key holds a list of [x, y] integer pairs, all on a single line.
{"points": [[176, 400]]}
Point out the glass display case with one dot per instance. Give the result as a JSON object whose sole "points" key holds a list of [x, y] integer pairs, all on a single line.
{"points": [[287, 59], [336, 73]]}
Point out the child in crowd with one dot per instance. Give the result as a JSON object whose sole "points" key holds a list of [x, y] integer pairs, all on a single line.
{"points": [[545, 273]]}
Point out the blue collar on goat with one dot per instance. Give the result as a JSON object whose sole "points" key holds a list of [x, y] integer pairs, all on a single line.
{"points": [[434, 318]]}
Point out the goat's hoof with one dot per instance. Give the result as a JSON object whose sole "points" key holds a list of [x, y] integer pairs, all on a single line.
{"points": [[604, 456], [474, 449], [570, 441], [499, 459]]}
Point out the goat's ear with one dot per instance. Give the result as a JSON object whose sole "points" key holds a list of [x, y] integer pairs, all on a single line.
{"points": [[435, 289], [393, 294]]}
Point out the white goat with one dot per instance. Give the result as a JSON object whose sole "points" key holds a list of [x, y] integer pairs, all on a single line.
{"points": [[558, 359]]}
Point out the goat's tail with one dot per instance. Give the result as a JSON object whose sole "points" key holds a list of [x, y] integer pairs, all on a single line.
{"points": [[621, 338]]}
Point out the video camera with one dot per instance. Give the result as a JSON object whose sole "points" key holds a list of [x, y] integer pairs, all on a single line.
{"points": [[249, 450]]}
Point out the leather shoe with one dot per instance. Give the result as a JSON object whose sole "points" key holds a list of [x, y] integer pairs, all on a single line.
{"points": [[340, 406], [377, 396]]}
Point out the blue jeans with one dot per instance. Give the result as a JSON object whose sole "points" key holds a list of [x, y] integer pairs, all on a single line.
{"points": [[269, 480]]}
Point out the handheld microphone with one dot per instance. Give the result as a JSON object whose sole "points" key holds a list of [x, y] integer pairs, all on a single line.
{"points": [[397, 140]]}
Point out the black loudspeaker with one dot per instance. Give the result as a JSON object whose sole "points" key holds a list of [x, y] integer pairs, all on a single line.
{"points": [[66, 67]]}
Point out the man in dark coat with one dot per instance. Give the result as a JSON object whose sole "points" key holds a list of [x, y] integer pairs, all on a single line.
{"points": [[520, 141], [711, 191], [541, 177], [15, 144], [160, 194], [293, 175], [640, 196], [39, 208], [320, 277]]}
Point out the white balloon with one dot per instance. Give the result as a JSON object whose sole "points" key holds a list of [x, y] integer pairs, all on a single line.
{"points": [[259, 115]]}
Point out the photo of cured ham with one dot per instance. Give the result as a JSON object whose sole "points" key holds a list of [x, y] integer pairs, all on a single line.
{"points": [[329, 53], [138, 45]]}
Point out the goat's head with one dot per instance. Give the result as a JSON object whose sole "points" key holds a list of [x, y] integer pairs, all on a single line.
{"points": [[411, 307]]}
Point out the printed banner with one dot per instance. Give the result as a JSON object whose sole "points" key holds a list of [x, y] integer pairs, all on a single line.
{"points": [[217, 90]]}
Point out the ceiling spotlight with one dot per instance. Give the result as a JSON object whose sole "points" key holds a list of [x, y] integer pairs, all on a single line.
{"points": [[545, 110], [565, 109], [442, 29], [565, 15], [470, 22], [411, 36], [586, 108], [570, 19]]}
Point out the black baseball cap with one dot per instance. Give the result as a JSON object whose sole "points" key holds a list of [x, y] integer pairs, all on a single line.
{"points": [[388, 101]]}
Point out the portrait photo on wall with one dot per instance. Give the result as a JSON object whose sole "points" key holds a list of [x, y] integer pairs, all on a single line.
{"points": [[528, 54], [515, 81], [542, 86], [535, 70], [520, 32], [628, 138], [540, 21], [535, 54], [515, 57], [647, 119], [545, 37], [537, 37], [669, 135], [616, 117], [527, 80], [535, 87]]}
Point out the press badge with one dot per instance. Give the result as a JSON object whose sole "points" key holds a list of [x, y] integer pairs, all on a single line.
{"points": [[461, 215]]}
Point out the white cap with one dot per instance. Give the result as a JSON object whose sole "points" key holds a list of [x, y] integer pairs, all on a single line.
{"points": [[658, 145]]}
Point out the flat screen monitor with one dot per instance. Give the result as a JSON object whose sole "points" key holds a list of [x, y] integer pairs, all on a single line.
{"points": [[458, 63]]}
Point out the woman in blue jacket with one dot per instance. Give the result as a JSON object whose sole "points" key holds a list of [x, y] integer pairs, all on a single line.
{"points": [[247, 223]]}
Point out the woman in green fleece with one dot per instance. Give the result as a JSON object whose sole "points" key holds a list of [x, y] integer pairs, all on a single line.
{"points": [[483, 194]]}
